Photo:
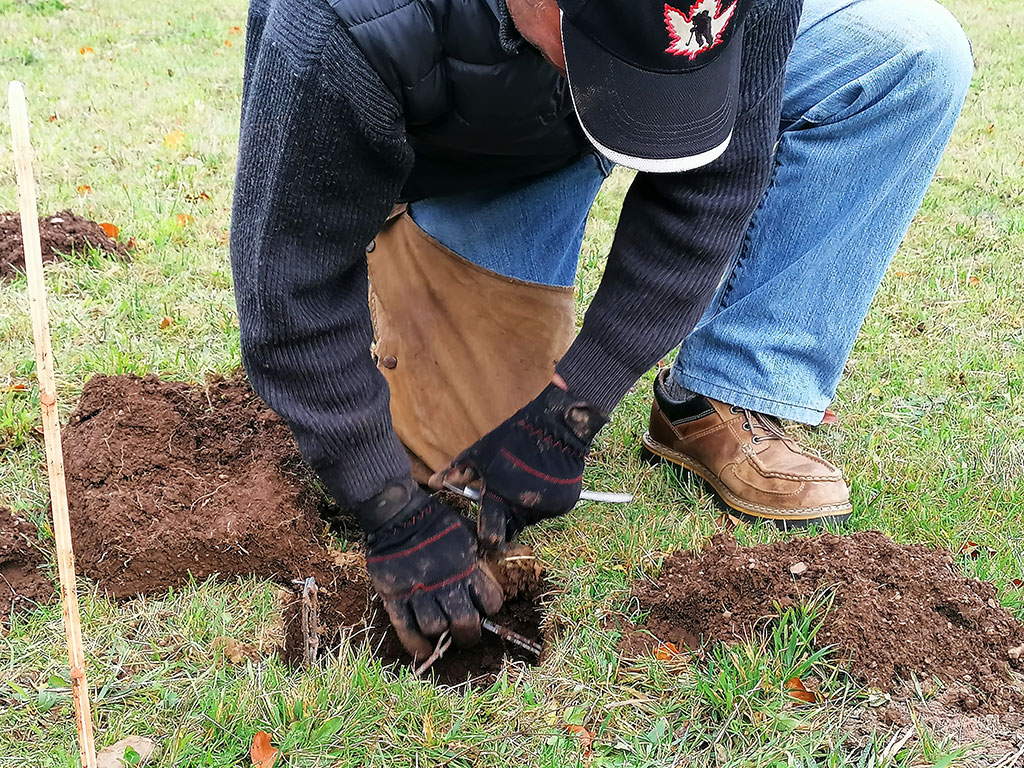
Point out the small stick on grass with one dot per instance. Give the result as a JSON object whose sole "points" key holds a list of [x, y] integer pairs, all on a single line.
{"points": [[310, 620], [443, 644], [51, 422]]}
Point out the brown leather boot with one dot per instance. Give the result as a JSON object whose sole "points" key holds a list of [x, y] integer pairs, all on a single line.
{"points": [[757, 470]]}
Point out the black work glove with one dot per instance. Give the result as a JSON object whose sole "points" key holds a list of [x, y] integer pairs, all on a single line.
{"points": [[423, 563], [531, 465]]}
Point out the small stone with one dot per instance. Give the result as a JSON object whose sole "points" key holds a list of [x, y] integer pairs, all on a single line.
{"points": [[727, 615], [1016, 653], [797, 568]]}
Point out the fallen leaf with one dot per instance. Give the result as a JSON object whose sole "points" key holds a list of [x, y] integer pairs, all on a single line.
{"points": [[902, 274], [117, 755], [17, 386], [197, 197], [52, 118], [84, 189], [830, 417], [110, 230], [261, 753], [166, 322], [85, 49], [585, 736], [1018, 583], [798, 691], [973, 550], [666, 652], [973, 280], [174, 139], [234, 30], [1016, 653], [183, 220], [131, 242], [227, 43]]}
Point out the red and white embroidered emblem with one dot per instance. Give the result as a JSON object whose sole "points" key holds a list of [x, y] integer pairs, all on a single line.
{"points": [[699, 30]]}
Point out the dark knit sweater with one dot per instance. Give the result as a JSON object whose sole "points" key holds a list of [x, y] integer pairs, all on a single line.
{"points": [[323, 156]]}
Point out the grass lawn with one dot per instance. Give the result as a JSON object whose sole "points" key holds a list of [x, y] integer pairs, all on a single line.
{"points": [[139, 101]]}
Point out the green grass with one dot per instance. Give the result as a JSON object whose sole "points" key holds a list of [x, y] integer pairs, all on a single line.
{"points": [[929, 436]]}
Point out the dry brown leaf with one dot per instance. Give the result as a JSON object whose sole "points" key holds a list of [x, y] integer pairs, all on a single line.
{"points": [[973, 550], [234, 651], [830, 417], [110, 230], [973, 280], [166, 322], [261, 753], [666, 652], [227, 43], [798, 691], [113, 756], [234, 30], [183, 220], [902, 274], [174, 139], [85, 50], [586, 738], [84, 189]]}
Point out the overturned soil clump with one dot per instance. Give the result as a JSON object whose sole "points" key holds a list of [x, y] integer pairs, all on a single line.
{"points": [[62, 233], [22, 584], [896, 611], [168, 480]]}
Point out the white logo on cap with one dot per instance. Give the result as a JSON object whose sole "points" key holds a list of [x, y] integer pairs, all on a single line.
{"points": [[700, 30]]}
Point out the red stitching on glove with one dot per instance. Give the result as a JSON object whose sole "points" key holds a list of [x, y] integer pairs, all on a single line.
{"points": [[410, 550], [537, 473], [450, 580]]}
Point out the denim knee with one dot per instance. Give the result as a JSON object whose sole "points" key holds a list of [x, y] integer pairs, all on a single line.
{"points": [[938, 55]]}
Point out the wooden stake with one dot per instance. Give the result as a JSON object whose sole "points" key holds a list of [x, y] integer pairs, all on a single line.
{"points": [[51, 423]]}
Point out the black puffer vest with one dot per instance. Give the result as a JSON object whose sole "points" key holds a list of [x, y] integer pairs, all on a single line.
{"points": [[482, 107]]}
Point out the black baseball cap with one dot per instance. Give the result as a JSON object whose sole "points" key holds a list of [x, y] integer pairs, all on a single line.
{"points": [[655, 87]]}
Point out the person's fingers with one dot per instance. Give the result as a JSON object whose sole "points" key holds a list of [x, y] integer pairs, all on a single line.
{"points": [[492, 522], [485, 591], [432, 622], [404, 622], [457, 474], [463, 617]]}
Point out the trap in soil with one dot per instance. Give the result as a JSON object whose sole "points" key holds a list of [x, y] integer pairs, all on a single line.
{"points": [[167, 479]]}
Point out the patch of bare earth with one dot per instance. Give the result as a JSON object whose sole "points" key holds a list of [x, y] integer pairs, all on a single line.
{"points": [[897, 612]]}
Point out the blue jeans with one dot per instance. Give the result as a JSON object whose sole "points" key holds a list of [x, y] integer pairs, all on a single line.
{"points": [[873, 89]]}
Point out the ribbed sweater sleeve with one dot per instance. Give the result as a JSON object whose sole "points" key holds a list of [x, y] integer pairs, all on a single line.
{"points": [[677, 232], [322, 156]]}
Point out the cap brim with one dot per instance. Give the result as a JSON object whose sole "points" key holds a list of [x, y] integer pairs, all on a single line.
{"points": [[652, 121]]}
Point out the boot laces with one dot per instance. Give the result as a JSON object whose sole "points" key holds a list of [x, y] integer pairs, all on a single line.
{"points": [[762, 426]]}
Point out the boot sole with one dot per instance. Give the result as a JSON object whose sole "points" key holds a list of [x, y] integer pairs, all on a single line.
{"points": [[738, 510]]}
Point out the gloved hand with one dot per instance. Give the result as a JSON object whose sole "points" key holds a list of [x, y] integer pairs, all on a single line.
{"points": [[423, 563], [531, 465]]}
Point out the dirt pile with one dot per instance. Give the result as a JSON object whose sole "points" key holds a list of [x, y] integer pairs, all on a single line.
{"points": [[64, 232], [21, 582], [168, 479], [897, 611]]}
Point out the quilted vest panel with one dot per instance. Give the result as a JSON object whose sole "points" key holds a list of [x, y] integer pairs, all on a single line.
{"points": [[482, 106]]}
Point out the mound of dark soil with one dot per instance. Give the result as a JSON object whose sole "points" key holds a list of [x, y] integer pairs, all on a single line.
{"points": [[21, 581], [896, 611], [64, 232], [169, 479]]}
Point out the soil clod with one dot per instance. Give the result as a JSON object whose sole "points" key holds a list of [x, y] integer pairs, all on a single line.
{"points": [[897, 612], [62, 233], [22, 584]]}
